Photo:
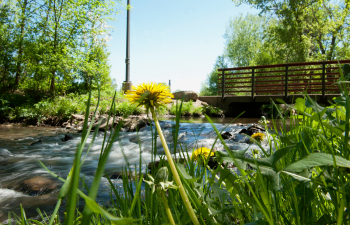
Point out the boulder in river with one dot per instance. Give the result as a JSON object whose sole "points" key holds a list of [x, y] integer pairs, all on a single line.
{"points": [[5, 152], [129, 175], [226, 135], [159, 164], [132, 124], [67, 137], [252, 130], [186, 95], [103, 124], [37, 186], [39, 142]]}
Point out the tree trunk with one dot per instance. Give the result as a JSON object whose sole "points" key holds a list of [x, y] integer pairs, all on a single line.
{"points": [[52, 85], [20, 47]]}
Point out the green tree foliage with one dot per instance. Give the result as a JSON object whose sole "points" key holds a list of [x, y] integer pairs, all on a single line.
{"points": [[210, 86], [245, 39], [308, 30], [54, 47]]}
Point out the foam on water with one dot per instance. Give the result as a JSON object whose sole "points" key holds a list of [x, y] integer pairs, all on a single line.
{"points": [[58, 156], [6, 194]]}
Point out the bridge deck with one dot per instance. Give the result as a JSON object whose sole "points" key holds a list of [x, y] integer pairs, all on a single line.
{"points": [[234, 105]]}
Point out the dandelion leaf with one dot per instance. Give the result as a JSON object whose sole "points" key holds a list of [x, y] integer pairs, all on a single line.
{"points": [[316, 159]]}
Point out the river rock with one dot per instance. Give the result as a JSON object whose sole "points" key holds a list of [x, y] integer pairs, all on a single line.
{"points": [[119, 175], [186, 95], [103, 125], [226, 135], [252, 130], [159, 164], [134, 123], [76, 117], [37, 186], [5, 152], [65, 124], [67, 137], [116, 175], [39, 142], [199, 103]]}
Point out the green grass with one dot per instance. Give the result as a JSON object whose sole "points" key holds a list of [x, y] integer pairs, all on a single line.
{"points": [[304, 181], [18, 108], [188, 109]]}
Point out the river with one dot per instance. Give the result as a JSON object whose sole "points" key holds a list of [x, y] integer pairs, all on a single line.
{"points": [[21, 161]]}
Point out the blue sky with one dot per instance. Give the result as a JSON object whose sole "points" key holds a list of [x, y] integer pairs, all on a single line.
{"points": [[171, 40]]}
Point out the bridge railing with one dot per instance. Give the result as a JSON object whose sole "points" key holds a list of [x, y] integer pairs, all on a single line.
{"points": [[281, 79]]}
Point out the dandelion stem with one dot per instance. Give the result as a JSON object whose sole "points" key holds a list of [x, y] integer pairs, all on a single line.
{"points": [[174, 171], [167, 209]]}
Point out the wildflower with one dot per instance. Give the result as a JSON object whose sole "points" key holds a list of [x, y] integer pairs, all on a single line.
{"points": [[264, 121], [258, 137], [150, 94], [203, 151], [255, 152], [160, 182]]}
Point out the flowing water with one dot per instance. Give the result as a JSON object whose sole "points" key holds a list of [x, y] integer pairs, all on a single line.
{"points": [[19, 158]]}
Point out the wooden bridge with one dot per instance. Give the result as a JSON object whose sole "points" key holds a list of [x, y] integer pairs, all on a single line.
{"points": [[247, 88]]}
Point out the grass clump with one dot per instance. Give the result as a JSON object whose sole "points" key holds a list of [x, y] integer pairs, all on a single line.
{"points": [[188, 109]]}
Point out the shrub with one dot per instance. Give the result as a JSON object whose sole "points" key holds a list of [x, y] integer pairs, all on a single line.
{"points": [[162, 110], [188, 109]]}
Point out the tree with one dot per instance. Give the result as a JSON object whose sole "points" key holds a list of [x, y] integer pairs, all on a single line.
{"points": [[244, 39], [309, 30], [210, 86], [6, 45], [50, 46]]}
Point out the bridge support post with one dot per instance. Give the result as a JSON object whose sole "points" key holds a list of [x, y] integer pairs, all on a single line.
{"points": [[323, 80], [286, 84], [223, 85], [252, 83]]}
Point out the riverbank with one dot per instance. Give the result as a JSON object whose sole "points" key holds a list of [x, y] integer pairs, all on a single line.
{"points": [[68, 110]]}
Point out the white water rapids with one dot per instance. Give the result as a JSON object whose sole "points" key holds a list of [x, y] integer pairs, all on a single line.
{"points": [[21, 162]]}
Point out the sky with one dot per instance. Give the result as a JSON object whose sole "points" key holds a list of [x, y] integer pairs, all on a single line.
{"points": [[171, 40]]}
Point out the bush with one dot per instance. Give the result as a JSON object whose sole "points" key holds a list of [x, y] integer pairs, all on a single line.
{"points": [[162, 110], [17, 108], [125, 109], [188, 109], [213, 111]]}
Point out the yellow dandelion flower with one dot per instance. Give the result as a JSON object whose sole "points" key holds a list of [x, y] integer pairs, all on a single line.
{"points": [[202, 151], [258, 137], [150, 94]]}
